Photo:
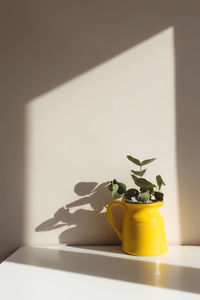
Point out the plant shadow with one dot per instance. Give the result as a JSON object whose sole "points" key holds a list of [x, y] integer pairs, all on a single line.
{"points": [[85, 226]]}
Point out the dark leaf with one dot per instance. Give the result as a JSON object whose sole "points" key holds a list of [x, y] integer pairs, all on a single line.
{"points": [[147, 161], [122, 188], [131, 193], [139, 173], [143, 183], [142, 190], [135, 178], [159, 196], [159, 181], [134, 160]]}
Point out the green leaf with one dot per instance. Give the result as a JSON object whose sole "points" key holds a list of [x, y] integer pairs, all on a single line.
{"points": [[134, 160], [139, 173], [114, 189], [135, 178], [159, 181], [142, 190], [122, 188], [144, 197], [132, 200], [131, 193], [143, 183], [147, 161], [159, 196]]}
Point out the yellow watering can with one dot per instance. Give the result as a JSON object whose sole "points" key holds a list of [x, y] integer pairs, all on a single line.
{"points": [[143, 231]]}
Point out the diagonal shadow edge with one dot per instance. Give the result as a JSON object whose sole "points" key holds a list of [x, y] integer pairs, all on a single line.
{"points": [[123, 269]]}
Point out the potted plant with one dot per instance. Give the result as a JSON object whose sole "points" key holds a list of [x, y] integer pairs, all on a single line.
{"points": [[143, 231], [146, 191]]}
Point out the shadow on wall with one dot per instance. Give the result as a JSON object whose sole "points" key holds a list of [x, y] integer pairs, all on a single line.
{"points": [[98, 197]]}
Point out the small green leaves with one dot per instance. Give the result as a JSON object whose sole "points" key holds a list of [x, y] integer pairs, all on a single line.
{"points": [[147, 192], [114, 189], [131, 193], [134, 160], [144, 197], [139, 173], [143, 183], [122, 187], [159, 196], [142, 190], [159, 181], [118, 189], [132, 200], [147, 161], [138, 163]]}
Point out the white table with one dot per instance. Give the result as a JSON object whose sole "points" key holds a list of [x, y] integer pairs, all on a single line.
{"points": [[100, 272]]}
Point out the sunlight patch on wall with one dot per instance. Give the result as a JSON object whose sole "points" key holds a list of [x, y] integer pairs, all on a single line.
{"points": [[82, 132]]}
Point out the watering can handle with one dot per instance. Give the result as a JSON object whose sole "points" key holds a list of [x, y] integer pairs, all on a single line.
{"points": [[111, 218]]}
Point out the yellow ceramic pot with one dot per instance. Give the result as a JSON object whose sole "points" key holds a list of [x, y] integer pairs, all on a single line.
{"points": [[143, 231]]}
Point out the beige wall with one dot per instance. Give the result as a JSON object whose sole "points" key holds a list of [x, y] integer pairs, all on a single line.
{"points": [[82, 132], [84, 84]]}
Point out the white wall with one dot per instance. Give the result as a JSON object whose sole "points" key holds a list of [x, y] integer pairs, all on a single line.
{"points": [[73, 73], [82, 132]]}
